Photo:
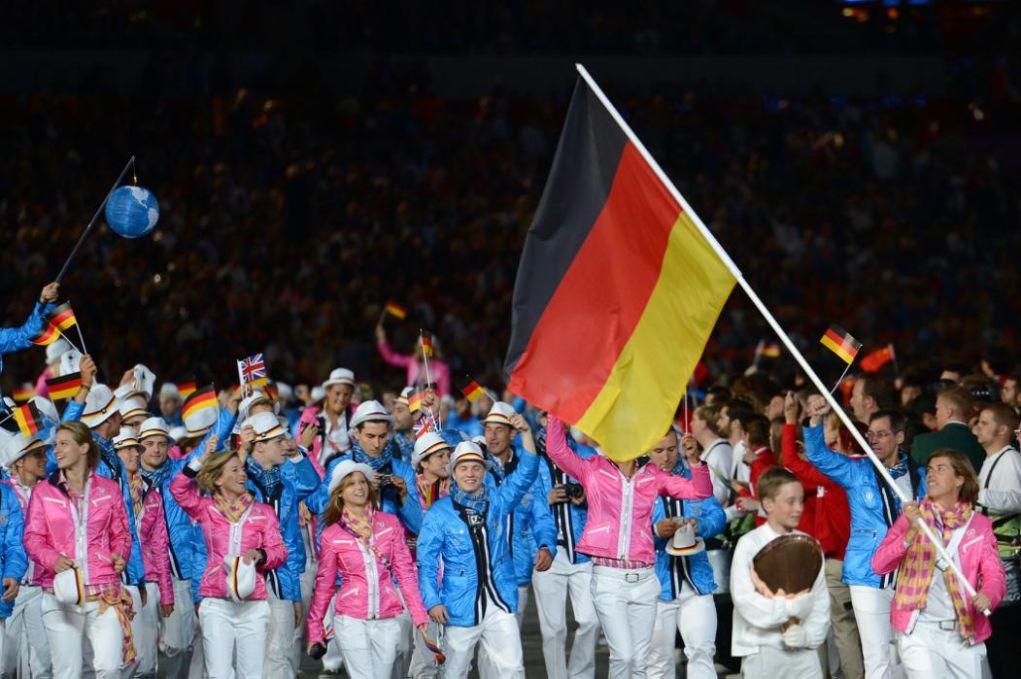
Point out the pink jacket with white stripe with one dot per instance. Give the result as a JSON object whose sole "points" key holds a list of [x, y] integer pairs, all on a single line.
{"points": [[367, 591], [260, 530], [155, 541], [619, 508], [54, 527], [979, 559]]}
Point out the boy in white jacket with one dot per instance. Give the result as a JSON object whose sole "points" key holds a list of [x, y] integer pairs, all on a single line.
{"points": [[775, 633]]}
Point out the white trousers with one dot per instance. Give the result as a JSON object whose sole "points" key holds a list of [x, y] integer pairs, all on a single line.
{"points": [[281, 659], [775, 663], [229, 627], [933, 653], [497, 635], [486, 669], [405, 645], [144, 630], [369, 647], [872, 613], [626, 604], [177, 632], [66, 630], [551, 589], [694, 615], [26, 651]]}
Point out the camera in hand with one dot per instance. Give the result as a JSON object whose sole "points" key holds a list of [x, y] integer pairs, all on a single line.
{"points": [[318, 651], [385, 480], [575, 491]]}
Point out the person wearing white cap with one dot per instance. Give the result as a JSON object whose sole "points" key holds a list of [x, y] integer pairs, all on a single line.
{"points": [[160, 463], [77, 533], [333, 419], [686, 579], [475, 597], [26, 651], [431, 461], [571, 572], [19, 338], [532, 531], [53, 353], [100, 412], [280, 476], [365, 550], [243, 541], [13, 561], [132, 411], [152, 534], [170, 404]]}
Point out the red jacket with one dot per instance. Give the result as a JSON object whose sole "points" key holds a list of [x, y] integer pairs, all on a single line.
{"points": [[827, 516]]}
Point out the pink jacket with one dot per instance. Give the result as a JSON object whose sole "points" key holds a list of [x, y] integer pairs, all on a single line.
{"points": [[438, 370], [259, 530], [310, 415], [152, 534], [979, 558], [54, 528], [620, 509], [367, 590]]}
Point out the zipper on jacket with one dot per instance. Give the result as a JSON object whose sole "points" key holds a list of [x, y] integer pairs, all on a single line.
{"points": [[372, 580], [627, 503], [80, 514]]}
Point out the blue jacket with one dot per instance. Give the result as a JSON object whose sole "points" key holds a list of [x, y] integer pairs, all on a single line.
{"points": [[874, 507], [410, 513], [185, 535], [569, 518], [16, 339], [13, 560], [297, 481], [530, 526], [672, 571], [445, 536], [469, 426]]}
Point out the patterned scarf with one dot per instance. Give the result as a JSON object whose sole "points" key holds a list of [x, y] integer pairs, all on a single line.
{"points": [[477, 503], [377, 463], [919, 564], [117, 597], [158, 477], [359, 524], [267, 478], [233, 510], [497, 468], [431, 492]]}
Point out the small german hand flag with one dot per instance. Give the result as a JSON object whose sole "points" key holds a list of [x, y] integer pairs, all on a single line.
{"points": [[29, 419], [48, 335], [63, 317], [23, 393], [200, 400], [841, 343], [186, 389], [396, 310], [415, 400], [66, 386], [472, 390], [427, 346]]}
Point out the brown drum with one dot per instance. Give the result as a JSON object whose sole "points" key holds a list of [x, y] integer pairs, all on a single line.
{"points": [[790, 562]]}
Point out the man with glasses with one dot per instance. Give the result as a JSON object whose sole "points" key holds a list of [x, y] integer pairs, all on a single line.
{"points": [[874, 508]]}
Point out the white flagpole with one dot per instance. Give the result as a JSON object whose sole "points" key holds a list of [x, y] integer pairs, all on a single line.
{"points": [[777, 328]]}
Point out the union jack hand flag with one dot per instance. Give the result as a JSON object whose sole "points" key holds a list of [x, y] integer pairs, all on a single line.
{"points": [[252, 370]]}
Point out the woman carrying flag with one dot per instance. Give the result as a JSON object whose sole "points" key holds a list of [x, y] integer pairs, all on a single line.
{"points": [[242, 540], [368, 549], [424, 363], [77, 534]]}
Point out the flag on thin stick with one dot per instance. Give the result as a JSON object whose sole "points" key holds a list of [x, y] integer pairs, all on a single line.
{"points": [[841, 343], [65, 386], [396, 310], [29, 419]]}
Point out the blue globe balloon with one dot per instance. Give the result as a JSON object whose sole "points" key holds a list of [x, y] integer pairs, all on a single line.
{"points": [[132, 211]]}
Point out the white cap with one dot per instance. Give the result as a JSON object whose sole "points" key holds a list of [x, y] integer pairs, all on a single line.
{"points": [[46, 408], [249, 401], [285, 393], [132, 407], [153, 426], [346, 467], [318, 393], [426, 445], [240, 577], [169, 390], [370, 411], [56, 350], [125, 439], [70, 361], [100, 404], [406, 393], [500, 413], [266, 426], [339, 376], [17, 446], [467, 451], [198, 422], [178, 433], [145, 381]]}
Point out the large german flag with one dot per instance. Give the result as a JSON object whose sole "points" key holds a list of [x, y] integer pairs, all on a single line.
{"points": [[617, 290]]}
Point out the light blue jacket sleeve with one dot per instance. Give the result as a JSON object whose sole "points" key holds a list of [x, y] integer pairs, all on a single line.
{"points": [[428, 550], [20, 337], [838, 467], [14, 558], [518, 483], [544, 528]]}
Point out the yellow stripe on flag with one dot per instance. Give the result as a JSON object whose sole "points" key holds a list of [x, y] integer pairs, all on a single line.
{"points": [[837, 348], [636, 405]]}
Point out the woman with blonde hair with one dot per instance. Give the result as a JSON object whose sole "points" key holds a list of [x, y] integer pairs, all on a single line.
{"points": [[243, 541], [77, 534], [368, 548], [940, 628]]}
